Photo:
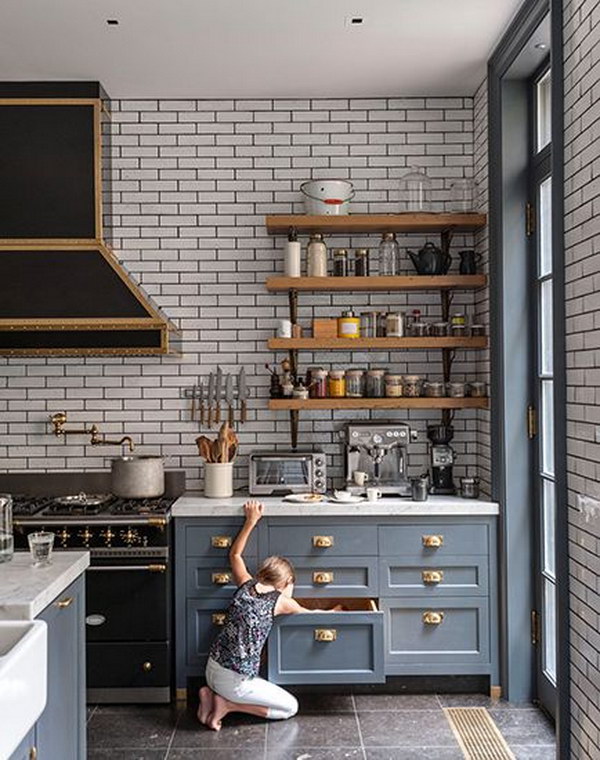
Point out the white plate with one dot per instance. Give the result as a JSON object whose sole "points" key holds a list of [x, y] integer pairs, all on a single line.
{"points": [[304, 498], [348, 500]]}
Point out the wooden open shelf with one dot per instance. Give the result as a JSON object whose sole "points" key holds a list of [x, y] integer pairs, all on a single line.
{"points": [[378, 283], [279, 224], [361, 344], [378, 403]]}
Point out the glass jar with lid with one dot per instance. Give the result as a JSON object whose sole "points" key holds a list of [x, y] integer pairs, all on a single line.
{"points": [[416, 187], [394, 324], [348, 325], [368, 324], [361, 262], [317, 384], [393, 386], [412, 385], [375, 385], [462, 195], [337, 383], [389, 254], [316, 256], [355, 383], [340, 262]]}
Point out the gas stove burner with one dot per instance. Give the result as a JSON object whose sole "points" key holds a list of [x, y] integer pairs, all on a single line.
{"points": [[73, 509], [140, 506], [82, 500], [24, 506]]}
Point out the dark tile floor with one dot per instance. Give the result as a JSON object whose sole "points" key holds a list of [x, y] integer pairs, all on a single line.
{"points": [[328, 727]]}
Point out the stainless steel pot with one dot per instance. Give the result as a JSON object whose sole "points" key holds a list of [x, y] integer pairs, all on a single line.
{"points": [[139, 477]]}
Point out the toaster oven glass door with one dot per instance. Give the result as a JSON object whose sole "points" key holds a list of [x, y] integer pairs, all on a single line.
{"points": [[290, 473]]}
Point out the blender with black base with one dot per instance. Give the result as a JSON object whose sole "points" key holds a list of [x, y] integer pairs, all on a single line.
{"points": [[442, 459]]}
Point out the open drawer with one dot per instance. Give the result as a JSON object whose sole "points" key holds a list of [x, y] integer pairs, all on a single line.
{"points": [[328, 647]]}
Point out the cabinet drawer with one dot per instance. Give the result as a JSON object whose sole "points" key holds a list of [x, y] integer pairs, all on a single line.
{"points": [[433, 540], [214, 540], [328, 647], [124, 665], [323, 540], [210, 578], [444, 637], [335, 576], [452, 576], [204, 620]]}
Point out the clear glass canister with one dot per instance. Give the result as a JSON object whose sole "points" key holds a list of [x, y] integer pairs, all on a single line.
{"points": [[389, 254], [462, 195], [340, 262], [368, 324], [394, 324], [337, 383], [393, 386], [477, 331], [412, 385], [375, 384], [316, 256], [361, 262], [6, 528], [355, 383], [416, 187], [317, 385]]}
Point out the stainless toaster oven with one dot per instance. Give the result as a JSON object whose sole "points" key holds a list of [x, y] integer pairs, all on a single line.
{"points": [[283, 472]]}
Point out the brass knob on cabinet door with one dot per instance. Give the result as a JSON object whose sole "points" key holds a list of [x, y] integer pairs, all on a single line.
{"points": [[64, 603], [147, 667], [322, 542], [33, 753], [221, 579], [432, 576], [325, 634], [219, 618], [322, 577], [220, 542], [433, 618], [433, 542]]}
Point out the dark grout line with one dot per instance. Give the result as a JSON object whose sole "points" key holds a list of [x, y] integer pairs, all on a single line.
{"points": [[360, 736]]}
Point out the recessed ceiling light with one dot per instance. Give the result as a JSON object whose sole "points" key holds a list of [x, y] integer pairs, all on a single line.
{"points": [[541, 46], [112, 21]]}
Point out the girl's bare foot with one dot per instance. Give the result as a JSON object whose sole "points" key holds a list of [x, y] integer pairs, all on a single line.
{"points": [[206, 704], [220, 708]]}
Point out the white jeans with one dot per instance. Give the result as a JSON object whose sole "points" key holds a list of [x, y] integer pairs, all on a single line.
{"points": [[250, 691]]}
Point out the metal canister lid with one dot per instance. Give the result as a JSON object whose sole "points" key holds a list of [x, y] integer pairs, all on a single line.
{"points": [[340, 252], [376, 372], [389, 236], [348, 314], [336, 374], [361, 252]]}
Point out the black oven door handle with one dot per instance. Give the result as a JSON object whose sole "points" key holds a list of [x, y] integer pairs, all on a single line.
{"points": [[152, 568]]}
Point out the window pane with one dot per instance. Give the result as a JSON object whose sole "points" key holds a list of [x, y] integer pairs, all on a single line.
{"points": [[545, 227], [548, 527], [546, 363], [547, 427], [543, 112], [549, 630]]}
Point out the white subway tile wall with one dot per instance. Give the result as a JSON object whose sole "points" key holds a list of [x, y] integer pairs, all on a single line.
{"points": [[582, 276], [191, 182]]}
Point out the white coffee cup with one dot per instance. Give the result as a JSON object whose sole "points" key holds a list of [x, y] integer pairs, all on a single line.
{"points": [[284, 328], [360, 478], [373, 494]]}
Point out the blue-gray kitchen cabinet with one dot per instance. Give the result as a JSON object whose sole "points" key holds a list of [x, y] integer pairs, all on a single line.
{"points": [[27, 749]]}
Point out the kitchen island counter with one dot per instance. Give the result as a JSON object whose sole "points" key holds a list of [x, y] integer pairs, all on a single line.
{"points": [[26, 590], [196, 505]]}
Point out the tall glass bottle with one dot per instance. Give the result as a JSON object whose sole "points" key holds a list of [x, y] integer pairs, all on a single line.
{"points": [[416, 187], [389, 254]]}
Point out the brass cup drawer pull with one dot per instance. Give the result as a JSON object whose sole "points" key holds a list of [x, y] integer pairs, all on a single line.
{"points": [[433, 542], [322, 577], [221, 579], [147, 667], [33, 753], [432, 576], [64, 603], [325, 634], [433, 618], [219, 618], [220, 542], [322, 542]]}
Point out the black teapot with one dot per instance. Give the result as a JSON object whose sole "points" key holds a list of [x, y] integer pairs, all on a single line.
{"points": [[431, 260], [468, 262]]}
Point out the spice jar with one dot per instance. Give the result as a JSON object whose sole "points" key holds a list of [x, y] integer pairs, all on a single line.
{"points": [[348, 325], [419, 329], [477, 331], [337, 383], [412, 385], [340, 262], [375, 385], [317, 385], [361, 262], [458, 319], [434, 390], [394, 324], [355, 381], [381, 324], [477, 389], [458, 331], [393, 386], [368, 324], [410, 319], [456, 389], [316, 256], [300, 391], [440, 329]]}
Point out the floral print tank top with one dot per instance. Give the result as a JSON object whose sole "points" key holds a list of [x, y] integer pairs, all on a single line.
{"points": [[249, 621]]}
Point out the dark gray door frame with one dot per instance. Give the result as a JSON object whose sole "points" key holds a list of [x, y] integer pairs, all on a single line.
{"points": [[510, 450]]}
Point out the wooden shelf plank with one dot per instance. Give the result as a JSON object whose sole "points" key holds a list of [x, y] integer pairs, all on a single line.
{"points": [[361, 344], [278, 224], [378, 403], [378, 283]]}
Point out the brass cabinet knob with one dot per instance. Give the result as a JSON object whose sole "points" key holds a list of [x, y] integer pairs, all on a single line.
{"points": [[322, 542], [220, 542], [221, 579], [433, 618], [64, 603], [33, 753], [322, 577], [219, 618], [147, 667], [432, 576], [433, 542], [325, 634]]}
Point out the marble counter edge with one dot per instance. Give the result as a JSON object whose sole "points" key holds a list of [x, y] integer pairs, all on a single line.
{"points": [[30, 594]]}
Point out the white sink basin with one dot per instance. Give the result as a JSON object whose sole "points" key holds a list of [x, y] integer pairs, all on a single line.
{"points": [[23, 667]]}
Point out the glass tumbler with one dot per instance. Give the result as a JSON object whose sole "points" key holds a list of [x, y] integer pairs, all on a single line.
{"points": [[6, 528], [40, 547]]}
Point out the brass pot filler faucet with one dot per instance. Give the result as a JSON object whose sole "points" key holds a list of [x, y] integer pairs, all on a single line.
{"points": [[97, 438]]}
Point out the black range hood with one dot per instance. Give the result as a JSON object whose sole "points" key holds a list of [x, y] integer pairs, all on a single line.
{"points": [[62, 289]]}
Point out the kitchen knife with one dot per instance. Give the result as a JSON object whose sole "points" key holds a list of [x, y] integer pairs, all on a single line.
{"points": [[201, 400], [230, 398], [210, 398], [218, 394], [243, 394]]}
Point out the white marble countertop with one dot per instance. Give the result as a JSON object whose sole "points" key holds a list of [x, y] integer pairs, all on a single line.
{"points": [[196, 505], [26, 590]]}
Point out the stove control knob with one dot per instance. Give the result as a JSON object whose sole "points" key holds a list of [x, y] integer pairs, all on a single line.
{"points": [[107, 535], [63, 536], [85, 535], [130, 536]]}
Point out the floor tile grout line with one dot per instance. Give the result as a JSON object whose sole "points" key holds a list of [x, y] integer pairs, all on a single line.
{"points": [[439, 700], [266, 740], [360, 736], [172, 739]]}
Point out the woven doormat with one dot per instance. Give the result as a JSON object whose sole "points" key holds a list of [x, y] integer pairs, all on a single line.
{"points": [[477, 734]]}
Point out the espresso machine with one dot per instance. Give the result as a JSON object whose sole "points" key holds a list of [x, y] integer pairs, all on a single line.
{"points": [[442, 457], [380, 450]]}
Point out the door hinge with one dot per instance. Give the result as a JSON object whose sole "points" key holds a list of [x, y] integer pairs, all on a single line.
{"points": [[529, 219], [532, 427], [535, 628]]}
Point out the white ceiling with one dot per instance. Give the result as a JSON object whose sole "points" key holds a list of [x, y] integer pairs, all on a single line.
{"points": [[254, 48]]}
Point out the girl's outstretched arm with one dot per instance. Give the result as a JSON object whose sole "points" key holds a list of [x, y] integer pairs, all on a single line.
{"points": [[288, 606], [253, 510]]}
